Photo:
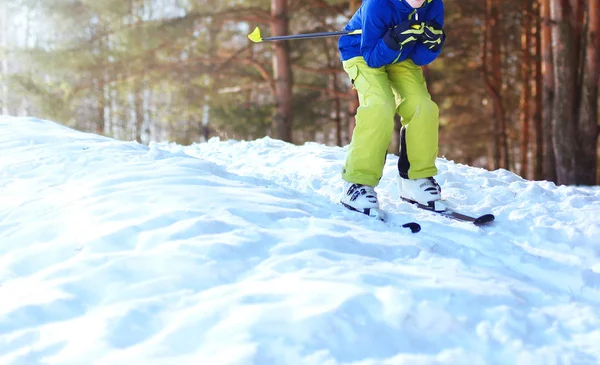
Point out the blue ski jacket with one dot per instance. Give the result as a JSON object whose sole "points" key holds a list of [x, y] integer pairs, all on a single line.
{"points": [[375, 17]]}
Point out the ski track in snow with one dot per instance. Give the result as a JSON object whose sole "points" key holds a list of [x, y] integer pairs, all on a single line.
{"points": [[235, 252]]}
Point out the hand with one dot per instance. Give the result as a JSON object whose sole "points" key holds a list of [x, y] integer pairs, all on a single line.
{"points": [[403, 35], [433, 35]]}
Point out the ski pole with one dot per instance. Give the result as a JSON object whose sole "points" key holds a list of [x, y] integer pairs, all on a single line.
{"points": [[256, 38]]}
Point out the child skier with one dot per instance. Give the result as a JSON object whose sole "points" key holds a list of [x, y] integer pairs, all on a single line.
{"points": [[384, 65]]}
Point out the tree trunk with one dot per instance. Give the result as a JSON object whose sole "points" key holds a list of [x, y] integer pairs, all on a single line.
{"points": [[282, 72], [353, 102], [138, 101], [525, 86], [100, 108], [565, 76], [101, 77], [538, 169], [337, 109], [137, 11], [588, 115], [213, 32], [549, 167], [497, 57], [492, 65]]}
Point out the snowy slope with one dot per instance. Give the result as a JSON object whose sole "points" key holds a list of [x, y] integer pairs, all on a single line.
{"points": [[237, 253]]}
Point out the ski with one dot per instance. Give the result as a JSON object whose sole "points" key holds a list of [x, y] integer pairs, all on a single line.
{"points": [[380, 214], [452, 214], [413, 226], [476, 220]]}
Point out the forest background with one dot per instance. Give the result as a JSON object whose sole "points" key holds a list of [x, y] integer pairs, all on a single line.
{"points": [[517, 81]]}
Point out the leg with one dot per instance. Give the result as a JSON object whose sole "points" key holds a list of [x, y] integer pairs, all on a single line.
{"points": [[374, 123], [420, 120]]}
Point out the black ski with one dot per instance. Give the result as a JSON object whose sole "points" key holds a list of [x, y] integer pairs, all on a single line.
{"points": [[478, 220], [449, 213], [413, 226], [380, 214]]}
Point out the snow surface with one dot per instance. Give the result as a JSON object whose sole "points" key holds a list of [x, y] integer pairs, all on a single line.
{"points": [[237, 252]]}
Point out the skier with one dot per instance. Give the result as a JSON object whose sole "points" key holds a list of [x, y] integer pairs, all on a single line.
{"points": [[384, 66]]}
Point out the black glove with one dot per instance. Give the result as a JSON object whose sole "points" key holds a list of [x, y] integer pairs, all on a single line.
{"points": [[433, 35], [403, 34]]}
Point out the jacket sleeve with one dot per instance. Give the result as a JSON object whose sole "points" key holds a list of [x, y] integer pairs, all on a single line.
{"points": [[422, 55], [375, 22]]}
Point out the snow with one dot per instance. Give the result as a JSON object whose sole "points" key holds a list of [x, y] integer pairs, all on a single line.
{"points": [[237, 252]]}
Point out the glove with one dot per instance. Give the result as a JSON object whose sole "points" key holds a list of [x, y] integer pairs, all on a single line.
{"points": [[433, 36], [403, 35]]}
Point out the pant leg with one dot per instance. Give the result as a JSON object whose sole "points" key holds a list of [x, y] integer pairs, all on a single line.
{"points": [[374, 123], [420, 120]]}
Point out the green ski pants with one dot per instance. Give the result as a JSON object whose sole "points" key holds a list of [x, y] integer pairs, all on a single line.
{"points": [[383, 92]]}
